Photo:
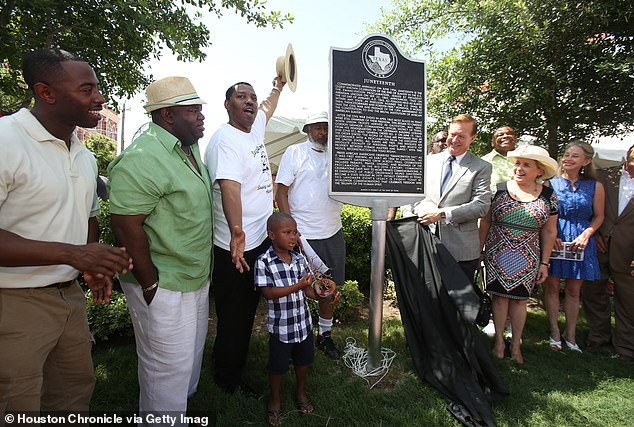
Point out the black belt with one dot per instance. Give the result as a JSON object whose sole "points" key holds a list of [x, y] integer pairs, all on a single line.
{"points": [[61, 285]]}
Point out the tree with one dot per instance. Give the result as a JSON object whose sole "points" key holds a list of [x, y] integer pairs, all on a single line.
{"points": [[117, 37], [104, 149], [554, 69]]}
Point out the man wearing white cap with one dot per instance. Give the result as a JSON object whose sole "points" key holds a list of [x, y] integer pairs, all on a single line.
{"points": [[302, 191], [243, 200], [160, 202]]}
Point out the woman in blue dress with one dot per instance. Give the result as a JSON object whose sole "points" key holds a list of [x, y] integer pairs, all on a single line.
{"points": [[581, 205]]}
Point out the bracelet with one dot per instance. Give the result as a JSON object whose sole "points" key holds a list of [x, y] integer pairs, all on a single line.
{"points": [[547, 264], [276, 88], [151, 287]]}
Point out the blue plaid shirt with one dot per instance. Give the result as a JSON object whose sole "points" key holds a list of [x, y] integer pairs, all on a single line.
{"points": [[288, 318]]}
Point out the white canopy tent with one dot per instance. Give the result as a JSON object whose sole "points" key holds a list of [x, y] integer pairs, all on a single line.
{"points": [[610, 151], [282, 132]]}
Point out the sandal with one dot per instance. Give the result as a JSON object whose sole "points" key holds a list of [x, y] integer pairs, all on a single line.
{"points": [[572, 346], [274, 418], [305, 407], [554, 345]]}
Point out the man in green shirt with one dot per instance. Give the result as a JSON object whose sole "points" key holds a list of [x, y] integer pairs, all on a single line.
{"points": [[503, 141], [160, 196]]}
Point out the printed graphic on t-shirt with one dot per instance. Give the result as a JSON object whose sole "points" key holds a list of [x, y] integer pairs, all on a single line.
{"points": [[260, 150], [266, 182]]}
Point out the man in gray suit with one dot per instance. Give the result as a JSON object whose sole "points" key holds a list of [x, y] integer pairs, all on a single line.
{"points": [[616, 252], [457, 194]]}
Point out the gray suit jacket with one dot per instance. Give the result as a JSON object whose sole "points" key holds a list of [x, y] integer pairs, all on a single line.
{"points": [[468, 196]]}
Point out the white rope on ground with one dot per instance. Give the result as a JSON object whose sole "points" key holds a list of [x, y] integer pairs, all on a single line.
{"points": [[356, 358]]}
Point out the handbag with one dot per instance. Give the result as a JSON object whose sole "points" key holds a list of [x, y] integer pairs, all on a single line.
{"points": [[484, 313]]}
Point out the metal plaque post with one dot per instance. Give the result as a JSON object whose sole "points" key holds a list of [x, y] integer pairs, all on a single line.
{"points": [[376, 146], [377, 276]]}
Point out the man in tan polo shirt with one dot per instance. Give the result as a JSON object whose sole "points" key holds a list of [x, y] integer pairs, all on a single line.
{"points": [[48, 226]]}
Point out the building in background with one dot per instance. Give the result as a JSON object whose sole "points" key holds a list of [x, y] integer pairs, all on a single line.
{"points": [[108, 125]]}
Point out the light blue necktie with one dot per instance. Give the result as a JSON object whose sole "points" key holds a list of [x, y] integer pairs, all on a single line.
{"points": [[446, 174]]}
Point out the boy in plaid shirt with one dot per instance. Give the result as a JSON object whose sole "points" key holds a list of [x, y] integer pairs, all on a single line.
{"points": [[285, 281]]}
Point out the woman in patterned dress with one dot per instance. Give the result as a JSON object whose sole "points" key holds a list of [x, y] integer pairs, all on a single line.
{"points": [[581, 205], [518, 235]]}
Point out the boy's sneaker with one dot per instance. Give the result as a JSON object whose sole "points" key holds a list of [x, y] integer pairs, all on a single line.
{"points": [[325, 344]]}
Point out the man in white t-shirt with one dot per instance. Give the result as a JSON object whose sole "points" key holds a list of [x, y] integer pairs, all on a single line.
{"points": [[242, 202], [302, 191]]}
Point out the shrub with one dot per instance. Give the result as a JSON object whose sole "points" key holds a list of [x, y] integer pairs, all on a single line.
{"points": [[357, 228], [104, 149], [351, 299], [348, 306], [106, 236], [389, 288], [106, 320]]}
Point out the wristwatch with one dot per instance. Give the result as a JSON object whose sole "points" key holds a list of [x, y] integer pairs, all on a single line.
{"points": [[443, 215]]}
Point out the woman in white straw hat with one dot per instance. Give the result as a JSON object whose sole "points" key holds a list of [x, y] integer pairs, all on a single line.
{"points": [[581, 212], [518, 235]]}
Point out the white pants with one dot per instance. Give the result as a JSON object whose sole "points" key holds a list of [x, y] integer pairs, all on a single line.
{"points": [[170, 338]]}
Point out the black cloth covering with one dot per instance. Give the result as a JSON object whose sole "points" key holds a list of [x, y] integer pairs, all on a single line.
{"points": [[437, 303]]}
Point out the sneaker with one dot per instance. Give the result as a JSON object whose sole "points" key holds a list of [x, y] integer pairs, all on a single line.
{"points": [[325, 344]]}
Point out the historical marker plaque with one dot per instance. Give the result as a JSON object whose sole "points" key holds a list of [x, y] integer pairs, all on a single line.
{"points": [[377, 127]]}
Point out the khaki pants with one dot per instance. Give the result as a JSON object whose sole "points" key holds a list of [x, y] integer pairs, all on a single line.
{"points": [[45, 344]]}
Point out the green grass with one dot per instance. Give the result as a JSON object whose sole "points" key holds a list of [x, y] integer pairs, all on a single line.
{"points": [[595, 388]]}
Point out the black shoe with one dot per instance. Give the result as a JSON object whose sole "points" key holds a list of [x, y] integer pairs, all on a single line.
{"points": [[246, 391], [325, 344]]}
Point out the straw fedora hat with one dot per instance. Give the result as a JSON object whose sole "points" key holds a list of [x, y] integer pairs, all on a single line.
{"points": [[541, 156], [171, 91], [321, 117], [286, 68]]}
